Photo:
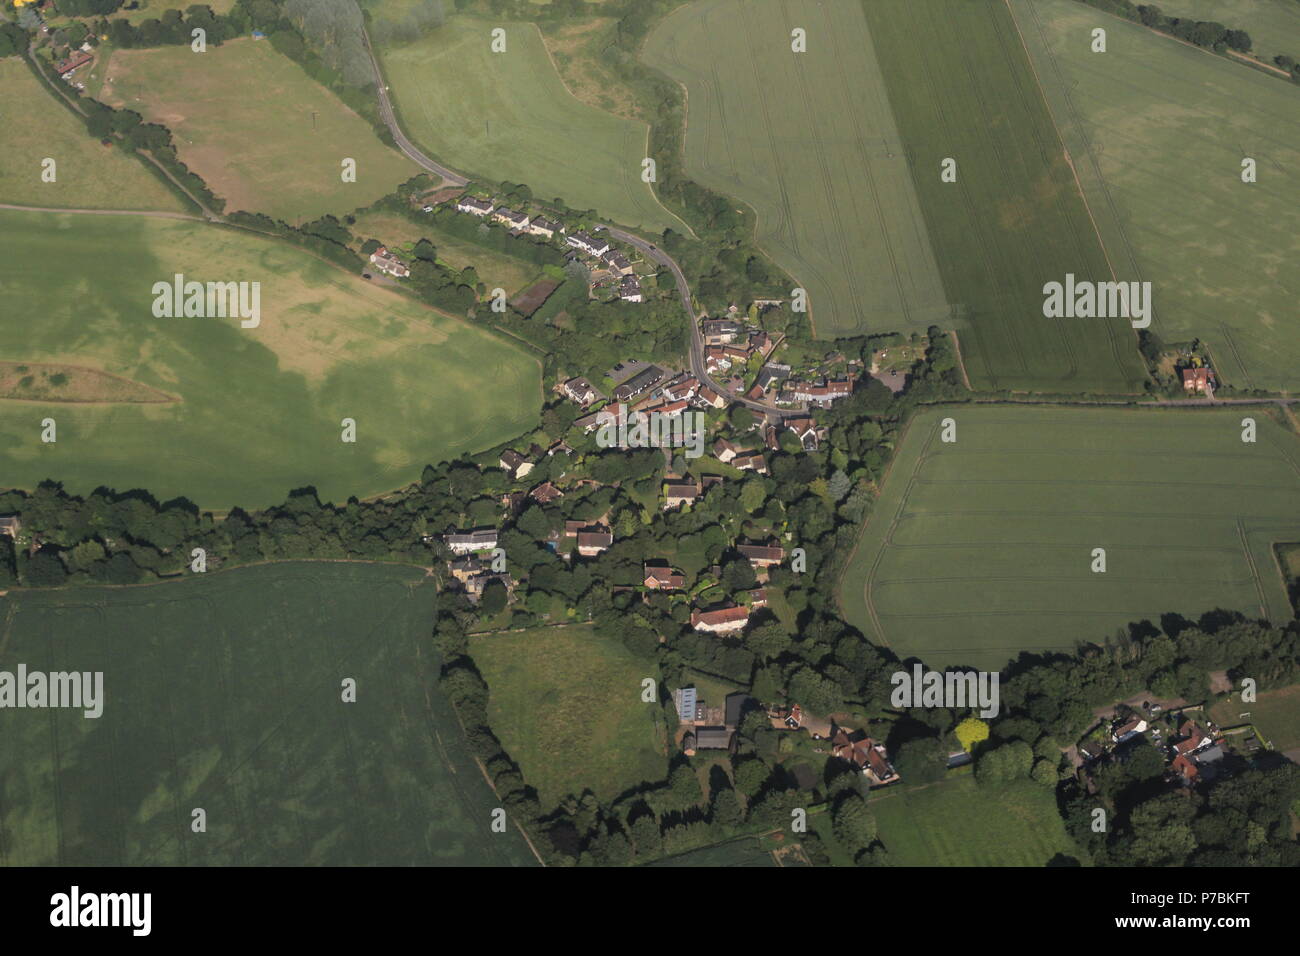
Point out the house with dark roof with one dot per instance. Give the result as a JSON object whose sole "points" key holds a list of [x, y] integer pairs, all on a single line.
{"points": [[678, 493], [580, 390], [467, 542], [543, 227], [592, 543], [11, 525], [629, 289], [585, 243], [514, 464], [475, 207], [708, 738], [642, 381]]}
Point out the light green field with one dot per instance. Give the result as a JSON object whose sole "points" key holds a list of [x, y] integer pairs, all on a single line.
{"points": [[808, 139], [1276, 714], [263, 134], [1158, 130], [508, 116], [154, 9], [87, 175], [959, 823], [1273, 25], [982, 548], [224, 692], [259, 410], [961, 87], [566, 705]]}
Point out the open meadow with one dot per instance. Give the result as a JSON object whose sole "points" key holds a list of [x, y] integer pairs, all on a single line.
{"points": [[253, 412], [567, 707], [982, 548], [224, 693], [1273, 25], [1158, 130], [958, 822], [508, 116], [808, 139], [87, 174], [1275, 713], [263, 134], [962, 88]]}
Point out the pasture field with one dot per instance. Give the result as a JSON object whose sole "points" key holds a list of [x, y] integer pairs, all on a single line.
{"points": [[509, 116], [259, 409], [957, 822], [1276, 714], [224, 692], [1156, 123], [809, 140], [154, 9], [263, 134], [962, 88], [982, 548], [494, 268], [87, 175], [566, 705]]}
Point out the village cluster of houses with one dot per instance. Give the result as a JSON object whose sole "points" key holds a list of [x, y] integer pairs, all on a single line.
{"points": [[1194, 750], [706, 727], [603, 257]]}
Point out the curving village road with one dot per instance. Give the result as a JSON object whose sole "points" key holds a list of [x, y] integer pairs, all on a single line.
{"points": [[646, 248]]}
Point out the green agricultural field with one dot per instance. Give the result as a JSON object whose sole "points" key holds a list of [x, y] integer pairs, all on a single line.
{"points": [[225, 693], [1158, 130], [508, 116], [808, 139], [255, 412], [982, 548], [263, 134], [566, 705], [87, 175], [962, 87], [957, 822], [1273, 25]]}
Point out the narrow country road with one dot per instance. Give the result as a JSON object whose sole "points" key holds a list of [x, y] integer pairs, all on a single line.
{"points": [[390, 120], [647, 248]]}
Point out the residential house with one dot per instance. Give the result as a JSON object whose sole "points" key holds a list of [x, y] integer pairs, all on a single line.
{"points": [[1128, 729], [11, 525], [617, 262], [750, 461], [1092, 750], [682, 388], [663, 578], [822, 394], [1196, 381], [726, 620], [80, 58], [475, 207], [724, 450], [757, 598], [678, 493], [762, 555], [592, 543], [719, 331], [511, 219], [543, 227], [1193, 738], [866, 755], [545, 493], [389, 264], [643, 380], [629, 290], [467, 542], [587, 244], [580, 390], [514, 464], [708, 398]]}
